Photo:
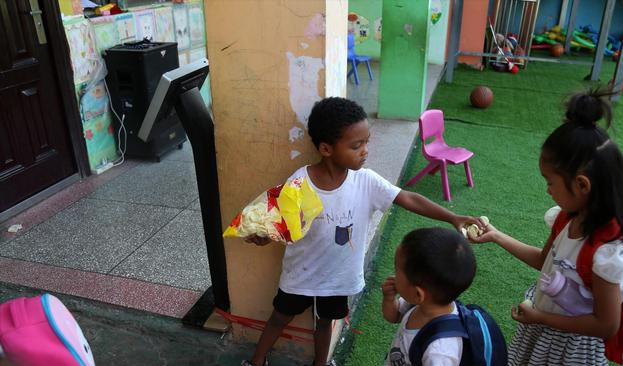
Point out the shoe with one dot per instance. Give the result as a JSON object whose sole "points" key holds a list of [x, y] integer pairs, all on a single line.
{"points": [[248, 363]]}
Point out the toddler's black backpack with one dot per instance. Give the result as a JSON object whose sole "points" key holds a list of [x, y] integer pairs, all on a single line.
{"points": [[483, 342]]}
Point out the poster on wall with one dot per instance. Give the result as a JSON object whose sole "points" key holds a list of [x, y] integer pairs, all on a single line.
{"points": [[94, 101], [359, 26], [84, 57], [196, 24], [126, 28], [145, 25], [182, 35], [164, 24], [105, 32], [100, 141]]}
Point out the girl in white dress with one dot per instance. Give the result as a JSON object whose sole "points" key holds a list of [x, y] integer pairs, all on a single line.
{"points": [[583, 169]]}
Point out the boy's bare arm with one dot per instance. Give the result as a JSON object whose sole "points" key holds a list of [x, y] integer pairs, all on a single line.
{"points": [[391, 310], [421, 205]]}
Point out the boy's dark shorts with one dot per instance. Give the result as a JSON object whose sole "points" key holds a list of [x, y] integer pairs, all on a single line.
{"points": [[327, 307]]}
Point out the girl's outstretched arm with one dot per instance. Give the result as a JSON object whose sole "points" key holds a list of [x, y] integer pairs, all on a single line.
{"points": [[532, 256], [603, 323], [421, 205]]}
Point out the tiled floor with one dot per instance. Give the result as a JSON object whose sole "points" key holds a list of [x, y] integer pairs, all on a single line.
{"points": [[133, 236], [142, 224]]}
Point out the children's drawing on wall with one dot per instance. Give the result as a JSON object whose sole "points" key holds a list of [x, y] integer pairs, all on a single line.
{"points": [[164, 24], [145, 25], [105, 32], [94, 102], [126, 29], [378, 26], [196, 25], [436, 11], [84, 58], [359, 26], [182, 35]]}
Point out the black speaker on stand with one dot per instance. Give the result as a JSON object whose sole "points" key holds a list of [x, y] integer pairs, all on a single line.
{"points": [[134, 70]]}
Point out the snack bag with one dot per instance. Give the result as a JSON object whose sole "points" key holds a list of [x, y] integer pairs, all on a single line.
{"points": [[283, 213]]}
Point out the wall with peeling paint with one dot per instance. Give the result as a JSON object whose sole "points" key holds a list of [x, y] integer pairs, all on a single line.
{"points": [[270, 60]]}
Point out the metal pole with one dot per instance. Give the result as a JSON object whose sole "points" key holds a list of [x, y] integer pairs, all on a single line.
{"points": [[509, 13], [534, 13], [562, 19], [455, 37], [603, 38], [571, 25]]}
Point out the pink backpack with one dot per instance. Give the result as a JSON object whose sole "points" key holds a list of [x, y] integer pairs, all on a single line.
{"points": [[41, 331]]}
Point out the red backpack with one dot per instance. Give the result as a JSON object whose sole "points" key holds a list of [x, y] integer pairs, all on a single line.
{"points": [[584, 266]]}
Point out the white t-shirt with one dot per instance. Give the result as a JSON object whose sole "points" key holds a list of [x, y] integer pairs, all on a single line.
{"points": [[441, 352], [607, 264], [329, 259]]}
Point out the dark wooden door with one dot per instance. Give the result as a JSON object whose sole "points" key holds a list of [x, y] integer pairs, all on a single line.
{"points": [[35, 149]]}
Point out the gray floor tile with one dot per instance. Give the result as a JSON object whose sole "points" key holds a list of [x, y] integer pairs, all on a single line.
{"points": [[167, 183], [92, 235], [175, 256], [183, 154], [195, 206]]}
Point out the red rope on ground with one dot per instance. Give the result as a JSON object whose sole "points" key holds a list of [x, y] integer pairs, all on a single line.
{"points": [[260, 325]]}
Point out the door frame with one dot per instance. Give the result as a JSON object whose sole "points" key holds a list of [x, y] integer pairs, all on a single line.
{"points": [[59, 49]]}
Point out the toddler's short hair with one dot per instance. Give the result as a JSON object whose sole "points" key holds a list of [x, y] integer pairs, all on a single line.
{"points": [[329, 116], [440, 261]]}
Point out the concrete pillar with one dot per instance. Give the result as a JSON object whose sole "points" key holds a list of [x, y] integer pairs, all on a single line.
{"points": [[404, 58], [270, 60]]}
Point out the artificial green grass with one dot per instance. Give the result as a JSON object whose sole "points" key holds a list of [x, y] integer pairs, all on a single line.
{"points": [[509, 189]]}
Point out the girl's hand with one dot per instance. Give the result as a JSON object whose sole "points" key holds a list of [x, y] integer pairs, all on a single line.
{"points": [[257, 240], [489, 234], [389, 288], [526, 314], [459, 221]]}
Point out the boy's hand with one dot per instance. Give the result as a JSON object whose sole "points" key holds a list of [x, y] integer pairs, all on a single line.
{"points": [[257, 240], [389, 288]]}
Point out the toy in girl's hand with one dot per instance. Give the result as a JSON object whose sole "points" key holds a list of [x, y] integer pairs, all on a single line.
{"points": [[473, 230], [283, 213], [527, 303]]}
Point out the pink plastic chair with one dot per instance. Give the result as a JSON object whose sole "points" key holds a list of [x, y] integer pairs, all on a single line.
{"points": [[438, 154]]}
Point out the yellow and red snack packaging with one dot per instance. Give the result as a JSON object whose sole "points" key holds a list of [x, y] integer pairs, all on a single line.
{"points": [[283, 213]]}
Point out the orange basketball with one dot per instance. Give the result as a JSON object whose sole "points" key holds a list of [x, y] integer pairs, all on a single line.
{"points": [[481, 97], [557, 50]]}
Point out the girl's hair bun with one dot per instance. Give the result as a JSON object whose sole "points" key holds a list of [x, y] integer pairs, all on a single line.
{"points": [[585, 109]]}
